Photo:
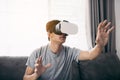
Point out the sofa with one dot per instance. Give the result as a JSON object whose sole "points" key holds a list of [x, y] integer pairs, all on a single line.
{"points": [[104, 67], [12, 68]]}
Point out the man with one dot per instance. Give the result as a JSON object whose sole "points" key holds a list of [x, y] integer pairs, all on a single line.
{"points": [[53, 61]]}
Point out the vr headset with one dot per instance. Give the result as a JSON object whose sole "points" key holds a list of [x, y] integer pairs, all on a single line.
{"points": [[66, 28]]}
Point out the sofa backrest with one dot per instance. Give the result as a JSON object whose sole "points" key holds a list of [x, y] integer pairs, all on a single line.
{"points": [[105, 67], [12, 68]]}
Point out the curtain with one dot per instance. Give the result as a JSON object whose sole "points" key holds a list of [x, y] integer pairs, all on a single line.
{"points": [[100, 10]]}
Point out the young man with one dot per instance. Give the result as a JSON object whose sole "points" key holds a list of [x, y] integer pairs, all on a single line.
{"points": [[53, 61]]}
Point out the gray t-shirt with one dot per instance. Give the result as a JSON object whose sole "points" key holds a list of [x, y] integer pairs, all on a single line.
{"points": [[61, 62]]}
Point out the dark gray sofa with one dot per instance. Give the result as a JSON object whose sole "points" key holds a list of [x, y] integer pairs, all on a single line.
{"points": [[105, 67], [12, 68]]}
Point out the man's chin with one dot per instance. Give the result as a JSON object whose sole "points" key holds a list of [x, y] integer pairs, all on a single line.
{"points": [[63, 41]]}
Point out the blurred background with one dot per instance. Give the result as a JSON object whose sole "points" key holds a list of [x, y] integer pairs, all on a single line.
{"points": [[22, 24]]}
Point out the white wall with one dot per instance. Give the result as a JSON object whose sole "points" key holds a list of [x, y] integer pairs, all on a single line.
{"points": [[22, 24], [117, 13]]}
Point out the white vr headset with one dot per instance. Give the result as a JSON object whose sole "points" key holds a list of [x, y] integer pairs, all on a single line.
{"points": [[66, 27]]}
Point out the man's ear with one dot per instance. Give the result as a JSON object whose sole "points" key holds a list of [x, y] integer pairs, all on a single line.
{"points": [[48, 36], [48, 33]]}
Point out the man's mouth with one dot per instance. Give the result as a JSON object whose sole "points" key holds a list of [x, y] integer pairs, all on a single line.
{"points": [[63, 37]]}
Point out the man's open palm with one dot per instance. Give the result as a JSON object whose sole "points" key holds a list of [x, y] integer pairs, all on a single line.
{"points": [[103, 33]]}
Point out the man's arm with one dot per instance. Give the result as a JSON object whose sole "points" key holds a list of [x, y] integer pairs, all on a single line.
{"points": [[101, 40], [29, 74], [90, 55], [33, 74]]}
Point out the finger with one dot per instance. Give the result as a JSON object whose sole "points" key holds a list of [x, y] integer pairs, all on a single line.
{"points": [[108, 25], [35, 70], [99, 26], [47, 65], [37, 60], [104, 23], [36, 65], [109, 30], [40, 59]]}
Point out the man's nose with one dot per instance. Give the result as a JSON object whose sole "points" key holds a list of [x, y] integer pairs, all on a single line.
{"points": [[64, 34]]}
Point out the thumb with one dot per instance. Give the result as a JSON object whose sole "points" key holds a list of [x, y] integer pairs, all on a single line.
{"points": [[48, 65]]}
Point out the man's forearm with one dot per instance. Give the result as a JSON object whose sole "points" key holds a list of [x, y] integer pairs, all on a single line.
{"points": [[30, 77], [95, 51]]}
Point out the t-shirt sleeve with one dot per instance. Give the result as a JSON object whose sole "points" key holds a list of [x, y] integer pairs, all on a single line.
{"points": [[31, 59], [75, 54]]}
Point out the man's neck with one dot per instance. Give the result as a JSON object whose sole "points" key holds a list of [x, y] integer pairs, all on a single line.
{"points": [[55, 48]]}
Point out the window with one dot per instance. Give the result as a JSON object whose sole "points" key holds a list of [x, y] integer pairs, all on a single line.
{"points": [[22, 24]]}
